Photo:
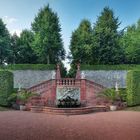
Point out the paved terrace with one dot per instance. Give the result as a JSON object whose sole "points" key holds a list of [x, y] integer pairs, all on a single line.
{"points": [[119, 125]]}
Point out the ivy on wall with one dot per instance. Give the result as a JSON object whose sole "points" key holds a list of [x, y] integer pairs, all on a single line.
{"points": [[133, 88], [6, 86]]}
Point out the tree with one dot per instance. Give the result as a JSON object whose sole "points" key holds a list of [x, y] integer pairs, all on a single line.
{"points": [[48, 44], [14, 47], [81, 43], [4, 43], [106, 39], [25, 51], [131, 43]]}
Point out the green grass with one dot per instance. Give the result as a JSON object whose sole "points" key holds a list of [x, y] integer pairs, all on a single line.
{"points": [[135, 108], [4, 109]]}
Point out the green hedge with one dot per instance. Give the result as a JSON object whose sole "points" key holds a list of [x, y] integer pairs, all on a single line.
{"points": [[29, 67], [110, 67], [6, 86], [133, 88]]}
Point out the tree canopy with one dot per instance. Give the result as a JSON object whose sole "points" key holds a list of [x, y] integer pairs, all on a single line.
{"points": [[48, 43], [26, 53], [102, 43], [81, 43], [131, 43], [106, 39], [4, 43]]}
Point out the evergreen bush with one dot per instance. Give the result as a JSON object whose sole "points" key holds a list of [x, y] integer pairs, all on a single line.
{"points": [[133, 88], [111, 67], [29, 67], [6, 87]]}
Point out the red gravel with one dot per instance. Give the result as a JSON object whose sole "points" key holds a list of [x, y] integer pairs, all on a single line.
{"points": [[120, 125]]}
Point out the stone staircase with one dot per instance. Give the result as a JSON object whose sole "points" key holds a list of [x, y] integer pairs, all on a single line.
{"points": [[68, 111]]}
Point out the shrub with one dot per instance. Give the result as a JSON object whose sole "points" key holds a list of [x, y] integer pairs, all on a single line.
{"points": [[24, 96], [6, 87], [111, 67], [29, 67], [133, 88], [123, 94], [109, 94], [12, 98]]}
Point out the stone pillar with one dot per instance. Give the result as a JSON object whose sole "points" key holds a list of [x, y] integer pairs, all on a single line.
{"points": [[83, 90], [53, 91], [78, 74], [58, 75]]}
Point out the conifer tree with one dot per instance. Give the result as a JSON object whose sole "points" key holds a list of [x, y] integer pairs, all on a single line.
{"points": [[131, 43], [48, 43], [4, 43], [14, 47], [26, 53], [81, 43], [107, 49]]}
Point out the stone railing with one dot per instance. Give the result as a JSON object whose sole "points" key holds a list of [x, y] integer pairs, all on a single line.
{"points": [[68, 82], [41, 88], [92, 91]]}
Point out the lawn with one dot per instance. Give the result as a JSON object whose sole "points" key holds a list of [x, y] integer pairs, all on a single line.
{"points": [[3, 108], [135, 108]]}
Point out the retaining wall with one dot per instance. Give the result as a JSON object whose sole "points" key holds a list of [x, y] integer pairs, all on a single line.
{"points": [[107, 78], [28, 78]]}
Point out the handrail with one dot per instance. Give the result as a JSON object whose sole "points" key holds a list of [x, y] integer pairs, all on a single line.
{"points": [[44, 82], [93, 83]]}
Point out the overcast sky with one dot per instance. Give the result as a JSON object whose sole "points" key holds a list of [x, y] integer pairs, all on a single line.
{"points": [[18, 14]]}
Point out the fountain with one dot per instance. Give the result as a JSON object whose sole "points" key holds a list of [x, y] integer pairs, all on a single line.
{"points": [[65, 95]]}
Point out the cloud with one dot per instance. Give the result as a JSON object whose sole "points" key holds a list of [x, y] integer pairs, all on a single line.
{"points": [[9, 20], [17, 31]]}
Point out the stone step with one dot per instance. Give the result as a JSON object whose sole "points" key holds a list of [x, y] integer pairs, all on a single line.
{"points": [[68, 111]]}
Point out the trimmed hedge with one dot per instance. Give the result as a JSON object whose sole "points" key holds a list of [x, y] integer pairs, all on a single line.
{"points": [[133, 88], [6, 87], [110, 67], [29, 67]]}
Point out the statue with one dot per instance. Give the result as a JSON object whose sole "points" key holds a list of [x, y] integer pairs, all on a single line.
{"points": [[117, 86], [83, 75], [19, 87], [53, 75]]}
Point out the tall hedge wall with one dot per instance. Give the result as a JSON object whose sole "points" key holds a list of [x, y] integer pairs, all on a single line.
{"points": [[6, 86], [28, 67], [133, 88], [111, 67]]}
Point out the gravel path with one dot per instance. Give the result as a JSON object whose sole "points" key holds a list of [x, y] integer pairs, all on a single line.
{"points": [[120, 125]]}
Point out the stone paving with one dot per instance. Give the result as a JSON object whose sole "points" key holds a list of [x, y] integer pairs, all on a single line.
{"points": [[22, 125]]}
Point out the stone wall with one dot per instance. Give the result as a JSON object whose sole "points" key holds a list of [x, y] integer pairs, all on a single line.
{"points": [[28, 78], [92, 91], [107, 78]]}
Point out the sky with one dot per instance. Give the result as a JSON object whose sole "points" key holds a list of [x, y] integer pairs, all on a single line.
{"points": [[19, 14]]}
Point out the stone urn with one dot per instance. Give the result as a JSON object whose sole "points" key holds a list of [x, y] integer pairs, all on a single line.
{"points": [[22, 107], [113, 107]]}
